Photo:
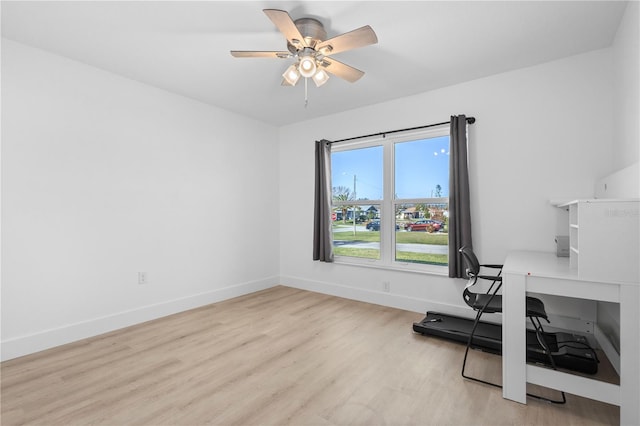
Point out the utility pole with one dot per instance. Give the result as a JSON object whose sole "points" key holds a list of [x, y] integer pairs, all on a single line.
{"points": [[354, 207]]}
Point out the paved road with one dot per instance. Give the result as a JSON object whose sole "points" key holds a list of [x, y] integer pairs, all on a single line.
{"points": [[359, 228], [415, 248]]}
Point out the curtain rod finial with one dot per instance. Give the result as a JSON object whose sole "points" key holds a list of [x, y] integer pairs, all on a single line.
{"points": [[471, 120]]}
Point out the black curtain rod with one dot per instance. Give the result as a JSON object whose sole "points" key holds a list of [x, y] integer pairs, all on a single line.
{"points": [[470, 120]]}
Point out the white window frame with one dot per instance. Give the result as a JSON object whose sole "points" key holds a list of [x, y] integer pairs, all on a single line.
{"points": [[388, 202]]}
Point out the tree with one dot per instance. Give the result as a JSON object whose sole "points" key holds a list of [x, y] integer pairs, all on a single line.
{"points": [[372, 212], [423, 209], [438, 192], [342, 193]]}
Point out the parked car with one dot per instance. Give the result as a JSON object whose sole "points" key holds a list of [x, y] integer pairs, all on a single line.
{"points": [[429, 225], [374, 225]]}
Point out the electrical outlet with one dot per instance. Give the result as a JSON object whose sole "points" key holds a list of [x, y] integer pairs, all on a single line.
{"points": [[386, 286], [142, 277]]}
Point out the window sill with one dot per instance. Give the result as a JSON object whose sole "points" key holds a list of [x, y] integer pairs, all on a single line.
{"points": [[442, 271]]}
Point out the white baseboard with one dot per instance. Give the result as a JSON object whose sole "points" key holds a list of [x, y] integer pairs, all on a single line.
{"points": [[28, 344], [376, 297], [413, 304]]}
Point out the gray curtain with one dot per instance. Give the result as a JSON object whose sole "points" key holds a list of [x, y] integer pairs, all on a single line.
{"points": [[322, 232], [459, 205]]}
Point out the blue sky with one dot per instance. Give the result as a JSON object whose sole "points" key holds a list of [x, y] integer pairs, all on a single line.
{"points": [[420, 166]]}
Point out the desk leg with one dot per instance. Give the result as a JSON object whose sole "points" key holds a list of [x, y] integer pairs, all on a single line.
{"points": [[514, 368], [629, 355]]}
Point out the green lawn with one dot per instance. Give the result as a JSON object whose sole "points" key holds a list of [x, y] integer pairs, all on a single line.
{"points": [[401, 237], [432, 259]]}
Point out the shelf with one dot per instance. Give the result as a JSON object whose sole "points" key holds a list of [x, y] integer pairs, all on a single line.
{"points": [[603, 239]]}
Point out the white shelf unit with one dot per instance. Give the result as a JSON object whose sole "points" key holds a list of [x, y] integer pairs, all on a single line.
{"points": [[604, 238]]}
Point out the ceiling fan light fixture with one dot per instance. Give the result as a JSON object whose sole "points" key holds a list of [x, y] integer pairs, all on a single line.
{"points": [[307, 42], [291, 75], [307, 66], [320, 77]]}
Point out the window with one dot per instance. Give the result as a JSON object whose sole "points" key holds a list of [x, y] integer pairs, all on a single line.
{"points": [[357, 192], [391, 201]]}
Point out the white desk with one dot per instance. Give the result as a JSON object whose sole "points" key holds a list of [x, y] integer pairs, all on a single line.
{"points": [[544, 273]]}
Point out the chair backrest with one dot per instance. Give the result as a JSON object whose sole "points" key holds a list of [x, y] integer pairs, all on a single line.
{"points": [[472, 270], [471, 262]]}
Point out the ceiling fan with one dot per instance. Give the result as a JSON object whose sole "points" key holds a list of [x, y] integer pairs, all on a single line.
{"points": [[306, 42]]}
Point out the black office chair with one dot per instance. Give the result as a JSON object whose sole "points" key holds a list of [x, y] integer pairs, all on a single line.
{"points": [[491, 302]]}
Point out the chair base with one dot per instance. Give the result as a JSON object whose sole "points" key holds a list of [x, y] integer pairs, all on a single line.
{"points": [[542, 398], [543, 344]]}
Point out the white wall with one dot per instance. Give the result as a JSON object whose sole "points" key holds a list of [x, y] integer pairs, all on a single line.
{"points": [[625, 145], [103, 177], [626, 106], [541, 133]]}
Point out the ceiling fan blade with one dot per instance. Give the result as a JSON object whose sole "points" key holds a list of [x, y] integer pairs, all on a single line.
{"points": [[259, 54], [361, 37], [285, 24], [341, 70]]}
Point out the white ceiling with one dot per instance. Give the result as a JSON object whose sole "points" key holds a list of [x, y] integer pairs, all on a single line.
{"points": [[183, 46]]}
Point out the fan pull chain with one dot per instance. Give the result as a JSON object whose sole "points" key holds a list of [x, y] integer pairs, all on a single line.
{"points": [[306, 98]]}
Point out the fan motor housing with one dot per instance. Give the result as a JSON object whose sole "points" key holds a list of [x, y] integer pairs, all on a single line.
{"points": [[312, 30]]}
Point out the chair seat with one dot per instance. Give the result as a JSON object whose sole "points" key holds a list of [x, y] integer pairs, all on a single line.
{"points": [[535, 307]]}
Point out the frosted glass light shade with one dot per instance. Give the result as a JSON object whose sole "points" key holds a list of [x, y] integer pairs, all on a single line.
{"points": [[291, 75], [307, 66], [320, 77]]}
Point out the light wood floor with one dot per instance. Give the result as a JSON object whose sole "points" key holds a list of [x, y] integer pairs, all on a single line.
{"points": [[279, 356]]}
